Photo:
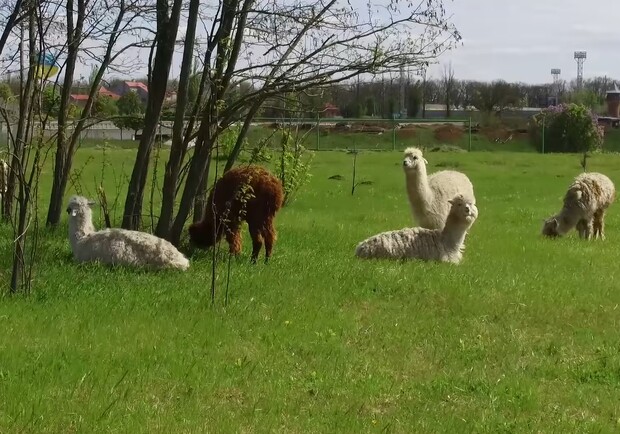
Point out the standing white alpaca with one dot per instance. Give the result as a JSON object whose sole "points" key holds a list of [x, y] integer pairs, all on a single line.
{"points": [[444, 245], [117, 246], [585, 203], [429, 195]]}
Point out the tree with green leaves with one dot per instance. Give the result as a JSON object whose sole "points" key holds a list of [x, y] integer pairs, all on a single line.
{"points": [[130, 104], [5, 91], [50, 101], [567, 128], [104, 107], [131, 111]]}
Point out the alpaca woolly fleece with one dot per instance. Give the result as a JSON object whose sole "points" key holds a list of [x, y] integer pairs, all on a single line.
{"points": [[429, 196], [245, 193], [445, 245], [117, 246], [585, 204]]}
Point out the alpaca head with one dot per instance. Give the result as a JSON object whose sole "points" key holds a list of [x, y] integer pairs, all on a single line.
{"points": [[551, 227], [80, 218], [79, 208], [559, 224], [413, 160], [201, 234], [463, 209]]}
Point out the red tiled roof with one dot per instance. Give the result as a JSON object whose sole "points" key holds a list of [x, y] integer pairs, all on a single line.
{"points": [[137, 84], [104, 91]]}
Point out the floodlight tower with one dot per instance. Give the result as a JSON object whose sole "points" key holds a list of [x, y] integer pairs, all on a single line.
{"points": [[580, 57], [403, 110], [555, 87]]}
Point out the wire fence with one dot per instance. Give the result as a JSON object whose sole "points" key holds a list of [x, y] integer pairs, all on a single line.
{"points": [[396, 134], [375, 134], [370, 134]]}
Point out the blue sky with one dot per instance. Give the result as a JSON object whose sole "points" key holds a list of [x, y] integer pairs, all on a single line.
{"points": [[522, 40]]}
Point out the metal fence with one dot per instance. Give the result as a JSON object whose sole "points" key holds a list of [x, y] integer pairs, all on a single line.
{"points": [[396, 134], [324, 134]]}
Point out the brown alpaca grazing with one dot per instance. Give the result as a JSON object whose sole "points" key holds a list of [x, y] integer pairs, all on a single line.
{"points": [[248, 193]]}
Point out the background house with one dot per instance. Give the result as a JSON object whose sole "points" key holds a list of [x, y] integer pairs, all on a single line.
{"points": [[79, 99]]}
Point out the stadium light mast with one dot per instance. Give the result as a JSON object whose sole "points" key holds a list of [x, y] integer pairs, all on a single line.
{"points": [[403, 109], [580, 58], [555, 87]]}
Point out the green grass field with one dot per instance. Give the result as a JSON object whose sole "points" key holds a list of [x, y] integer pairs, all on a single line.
{"points": [[521, 337]]}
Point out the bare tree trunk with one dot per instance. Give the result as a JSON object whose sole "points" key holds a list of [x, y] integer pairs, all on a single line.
{"points": [[448, 83], [62, 163], [194, 180], [200, 200], [179, 145], [11, 22], [21, 134], [167, 27], [18, 162], [66, 151]]}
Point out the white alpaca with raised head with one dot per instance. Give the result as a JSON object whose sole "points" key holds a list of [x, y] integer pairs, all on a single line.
{"points": [[429, 195], [443, 245]]}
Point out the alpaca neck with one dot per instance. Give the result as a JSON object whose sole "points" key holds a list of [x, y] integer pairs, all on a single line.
{"points": [[566, 221], [454, 232], [418, 188], [80, 227]]}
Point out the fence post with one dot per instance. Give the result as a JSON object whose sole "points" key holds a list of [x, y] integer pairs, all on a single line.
{"points": [[543, 135], [318, 132], [470, 134]]}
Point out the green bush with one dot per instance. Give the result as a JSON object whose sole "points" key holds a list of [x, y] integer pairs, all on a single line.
{"points": [[567, 128]]}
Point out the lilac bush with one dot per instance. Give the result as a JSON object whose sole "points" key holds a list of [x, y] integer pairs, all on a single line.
{"points": [[567, 128]]}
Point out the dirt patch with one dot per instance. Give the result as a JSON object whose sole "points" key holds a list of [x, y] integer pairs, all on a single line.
{"points": [[448, 133], [406, 133], [367, 129]]}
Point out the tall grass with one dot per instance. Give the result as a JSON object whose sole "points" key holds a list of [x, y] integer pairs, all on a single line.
{"points": [[521, 337]]}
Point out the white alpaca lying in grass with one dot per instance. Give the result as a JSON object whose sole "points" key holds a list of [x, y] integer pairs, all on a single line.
{"points": [[444, 245], [585, 203], [117, 246], [429, 195]]}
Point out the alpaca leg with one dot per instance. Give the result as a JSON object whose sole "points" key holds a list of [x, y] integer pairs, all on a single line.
{"points": [[233, 237], [257, 241], [589, 228], [582, 228], [270, 235], [599, 224]]}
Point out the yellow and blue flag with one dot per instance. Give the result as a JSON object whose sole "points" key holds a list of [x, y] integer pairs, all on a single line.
{"points": [[47, 67]]}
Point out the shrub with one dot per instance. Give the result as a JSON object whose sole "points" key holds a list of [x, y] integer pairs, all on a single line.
{"points": [[227, 140], [567, 128], [294, 165]]}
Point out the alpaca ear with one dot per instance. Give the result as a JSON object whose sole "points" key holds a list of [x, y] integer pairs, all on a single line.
{"points": [[425, 160], [91, 203]]}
